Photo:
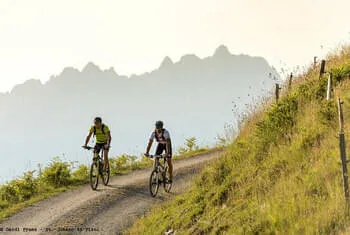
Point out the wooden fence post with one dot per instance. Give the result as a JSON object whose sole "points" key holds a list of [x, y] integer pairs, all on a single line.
{"points": [[329, 86], [290, 81], [315, 61], [277, 92], [342, 147], [322, 70]]}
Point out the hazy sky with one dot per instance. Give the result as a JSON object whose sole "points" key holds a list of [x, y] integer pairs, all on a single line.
{"points": [[38, 38]]}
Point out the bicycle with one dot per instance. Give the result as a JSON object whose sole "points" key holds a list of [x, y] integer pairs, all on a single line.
{"points": [[160, 174], [96, 169]]}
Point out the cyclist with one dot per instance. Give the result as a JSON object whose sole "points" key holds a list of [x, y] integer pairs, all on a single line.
{"points": [[102, 139], [162, 136]]}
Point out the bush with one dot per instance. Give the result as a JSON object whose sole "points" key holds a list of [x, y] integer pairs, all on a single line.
{"points": [[340, 73], [18, 190], [123, 163], [81, 175], [145, 162], [328, 112], [278, 121], [190, 146], [191, 143], [58, 173], [27, 186], [9, 192], [3, 204]]}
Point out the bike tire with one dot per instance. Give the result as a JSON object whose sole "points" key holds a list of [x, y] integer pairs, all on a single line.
{"points": [[105, 176], [166, 184], [154, 183], [94, 172]]}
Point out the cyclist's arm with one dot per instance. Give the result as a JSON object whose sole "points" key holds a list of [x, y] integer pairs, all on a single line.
{"points": [[88, 138], [168, 147], [109, 138], [150, 142]]}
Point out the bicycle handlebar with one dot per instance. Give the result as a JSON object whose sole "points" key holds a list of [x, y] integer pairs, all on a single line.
{"points": [[89, 147]]}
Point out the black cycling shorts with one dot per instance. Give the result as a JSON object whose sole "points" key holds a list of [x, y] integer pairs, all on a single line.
{"points": [[99, 146], [162, 148]]}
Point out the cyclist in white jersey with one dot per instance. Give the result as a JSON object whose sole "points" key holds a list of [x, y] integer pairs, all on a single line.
{"points": [[162, 136]]}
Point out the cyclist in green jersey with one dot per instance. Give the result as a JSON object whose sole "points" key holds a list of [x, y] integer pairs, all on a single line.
{"points": [[102, 139]]}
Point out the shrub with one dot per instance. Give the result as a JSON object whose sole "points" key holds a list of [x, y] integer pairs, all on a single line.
{"points": [[9, 192], [191, 143], [328, 112], [58, 173], [19, 189], [27, 186], [340, 73], [81, 175], [123, 163], [3, 204]]}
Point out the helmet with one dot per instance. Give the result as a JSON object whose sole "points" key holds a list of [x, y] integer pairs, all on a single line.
{"points": [[98, 119], [159, 124]]}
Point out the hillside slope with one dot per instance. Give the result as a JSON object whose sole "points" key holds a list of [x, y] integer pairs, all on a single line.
{"points": [[281, 175]]}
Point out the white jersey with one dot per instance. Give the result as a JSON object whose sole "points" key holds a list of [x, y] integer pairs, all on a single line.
{"points": [[160, 137]]}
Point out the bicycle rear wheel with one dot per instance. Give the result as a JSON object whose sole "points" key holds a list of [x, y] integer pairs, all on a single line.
{"points": [[94, 172], [154, 183], [166, 178]]}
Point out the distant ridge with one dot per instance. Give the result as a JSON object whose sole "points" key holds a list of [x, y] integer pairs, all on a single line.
{"points": [[193, 96]]}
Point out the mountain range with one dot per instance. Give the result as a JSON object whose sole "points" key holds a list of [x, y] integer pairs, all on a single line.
{"points": [[193, 97]]}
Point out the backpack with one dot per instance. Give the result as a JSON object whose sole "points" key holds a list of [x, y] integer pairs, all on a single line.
{"points": [[102, 128], [156, 135]]}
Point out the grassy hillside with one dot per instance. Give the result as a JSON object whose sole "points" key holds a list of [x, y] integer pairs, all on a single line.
{"points": [[282, 175]]}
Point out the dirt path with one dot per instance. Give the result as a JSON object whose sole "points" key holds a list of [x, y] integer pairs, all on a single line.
{"points": [[108, 210]]}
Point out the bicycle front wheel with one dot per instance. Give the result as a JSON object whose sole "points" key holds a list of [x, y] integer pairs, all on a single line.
{"points": [[105, 176], [94, 172], [154, 183], [166, 180]]}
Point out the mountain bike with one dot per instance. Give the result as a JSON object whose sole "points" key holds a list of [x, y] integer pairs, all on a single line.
{"points": [[159, 175], [97, 170]]}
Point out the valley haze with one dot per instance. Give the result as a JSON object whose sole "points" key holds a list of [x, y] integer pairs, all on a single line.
{"points": [[194, 97]]}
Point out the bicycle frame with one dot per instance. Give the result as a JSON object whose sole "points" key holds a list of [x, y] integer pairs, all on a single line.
{"points": [[98, 157], [158, 164]]}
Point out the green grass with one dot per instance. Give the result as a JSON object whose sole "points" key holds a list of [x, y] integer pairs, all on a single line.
{"points": [[59, 176], [282, 175], [14, 208]]}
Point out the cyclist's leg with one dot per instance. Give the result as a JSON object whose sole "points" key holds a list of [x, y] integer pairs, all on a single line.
{"points": [[106, 162], [170, 164], [97, 149], [159, 151], [160, 148]]}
